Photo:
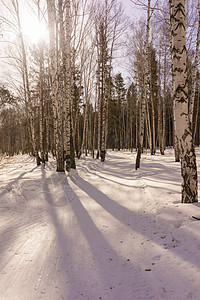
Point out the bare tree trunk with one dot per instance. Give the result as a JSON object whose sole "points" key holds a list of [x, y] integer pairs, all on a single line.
{"points": [[148, 123], [195, 116], [26, 84], [194, 72], [56, 98], [153, 126], [106, 126], [144, 97], [103, 141], [94, 131], [84, 140], [41, 109], [41, 77], [180, 83], [99, 121], [68, 88], [164, 101], [160, 123], [175, 141]]}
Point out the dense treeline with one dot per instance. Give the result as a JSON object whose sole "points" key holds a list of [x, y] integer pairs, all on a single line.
{"points": [[123, 118]]}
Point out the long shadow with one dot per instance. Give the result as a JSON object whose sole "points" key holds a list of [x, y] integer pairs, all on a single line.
{"points": [[105, 256], [109, 205], [124, 215], [64, 243], [102, 256], [61, 236]]}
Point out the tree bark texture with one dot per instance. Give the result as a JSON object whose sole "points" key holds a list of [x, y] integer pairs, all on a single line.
{"points": [[56, 97], [180, 88]]}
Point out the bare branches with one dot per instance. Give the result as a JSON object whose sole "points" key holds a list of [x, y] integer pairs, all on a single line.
{"points": [[153, 8]]}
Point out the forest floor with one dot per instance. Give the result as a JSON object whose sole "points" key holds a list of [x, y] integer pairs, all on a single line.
{"points": [[105, 231]]}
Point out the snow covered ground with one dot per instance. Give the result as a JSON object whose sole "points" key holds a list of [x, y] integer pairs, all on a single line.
{"points": [[104, 232]]}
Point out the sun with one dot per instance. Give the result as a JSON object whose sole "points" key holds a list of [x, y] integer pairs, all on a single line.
{"points": [[33, 30]]}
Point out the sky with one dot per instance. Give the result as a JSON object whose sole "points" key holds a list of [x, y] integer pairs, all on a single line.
{"points": [[133, 12]]}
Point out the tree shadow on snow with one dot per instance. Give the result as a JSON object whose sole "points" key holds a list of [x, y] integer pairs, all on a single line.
{"points": [[129, 219], [84, 282]]}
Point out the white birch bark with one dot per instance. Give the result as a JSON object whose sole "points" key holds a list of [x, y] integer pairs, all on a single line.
{"points": [[148, 123], [153, 125], [160, 127], [144, 96], [68, 86], [56, 96], [94, 131], [41, 107], [175, 141], [84, 140], [99, 116], [195, 118], [164, 101], [41, 91], [26, 82], [180, 84]]}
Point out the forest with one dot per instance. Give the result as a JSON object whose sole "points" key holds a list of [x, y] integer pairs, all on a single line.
{"points": [[99, 149], [102, 80]]}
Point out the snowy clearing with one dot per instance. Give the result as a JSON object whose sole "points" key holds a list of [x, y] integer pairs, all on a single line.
{"points": [[105, 231]]}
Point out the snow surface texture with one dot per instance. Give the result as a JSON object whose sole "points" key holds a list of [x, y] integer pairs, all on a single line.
{"points": [[104, 232]]}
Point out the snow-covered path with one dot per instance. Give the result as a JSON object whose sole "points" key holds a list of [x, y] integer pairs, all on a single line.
{"points": [[104, 232]]}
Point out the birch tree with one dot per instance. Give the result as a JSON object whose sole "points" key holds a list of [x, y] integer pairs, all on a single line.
{"points": [[180, 93], [26, 82], [144, 94], [56, 97], [108, 22]]}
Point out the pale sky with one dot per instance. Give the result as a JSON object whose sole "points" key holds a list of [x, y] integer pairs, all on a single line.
{"points": [[132, 11]]}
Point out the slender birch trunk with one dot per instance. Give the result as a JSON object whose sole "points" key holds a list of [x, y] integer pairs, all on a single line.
{"points": [[153, 125], [84, 140], [128, 123], [162, 107], [180, 83], [99, 121], [196, 116], [103, 141], [68, 140], [160, 124], [175, 141], [56, 97], [164, 101], [41, 76], [143, 97], [94, 131], [41, 104], [148, 124], [26, 84]]}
